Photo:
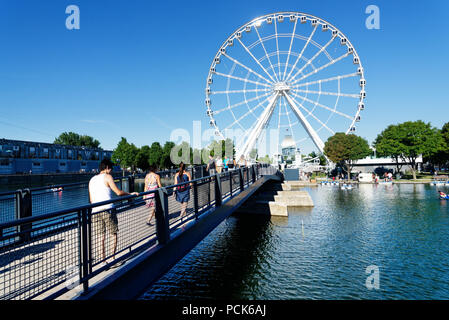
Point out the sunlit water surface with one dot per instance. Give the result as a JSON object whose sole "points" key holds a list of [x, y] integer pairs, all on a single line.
{"points": [[323, 253]]}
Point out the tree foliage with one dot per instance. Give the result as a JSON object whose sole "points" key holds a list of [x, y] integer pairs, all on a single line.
{"points": [[156, 153], [408, 141], [142, 158], [222, 148], [74, 139], [418, 138], [388, 144], [165, 161], [125, 154], [345, 149], [321, 157], [441, 157], [265, 159]]}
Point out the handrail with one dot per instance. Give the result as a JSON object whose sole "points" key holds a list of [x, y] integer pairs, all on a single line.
{"points": [[82, 220]]}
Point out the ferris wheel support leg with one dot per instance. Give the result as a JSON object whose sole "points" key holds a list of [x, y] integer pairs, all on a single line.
{"points": [[255, 133], [312, 133]]}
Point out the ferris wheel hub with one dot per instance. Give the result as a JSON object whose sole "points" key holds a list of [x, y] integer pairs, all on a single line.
{"points": [[281, 87]]}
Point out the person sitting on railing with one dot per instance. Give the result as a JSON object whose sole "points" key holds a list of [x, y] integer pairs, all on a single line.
{"points": [[182, 193], [104, 217], [152, 182]]}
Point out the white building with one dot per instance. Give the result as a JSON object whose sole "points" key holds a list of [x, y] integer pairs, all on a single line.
{"points": [[369, 164]]}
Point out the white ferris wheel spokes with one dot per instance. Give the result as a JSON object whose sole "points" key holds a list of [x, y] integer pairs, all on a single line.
{"points": [[283, 60]]}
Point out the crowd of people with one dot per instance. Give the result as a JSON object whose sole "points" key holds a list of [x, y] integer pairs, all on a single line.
{"points": [[219, 165], [102, 187]]}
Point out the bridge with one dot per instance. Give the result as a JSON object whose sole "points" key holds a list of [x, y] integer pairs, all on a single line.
{"points": [[57, 255]]}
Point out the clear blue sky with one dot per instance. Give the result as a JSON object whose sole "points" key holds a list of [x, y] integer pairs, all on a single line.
{"points": [[138, 68]]}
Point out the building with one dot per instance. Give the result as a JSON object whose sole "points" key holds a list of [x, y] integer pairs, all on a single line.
{"points": [[371, 163], [288, 149], [17, 157]]}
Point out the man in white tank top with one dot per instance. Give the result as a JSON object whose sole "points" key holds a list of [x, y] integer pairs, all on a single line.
{"points": [[101, 187]]}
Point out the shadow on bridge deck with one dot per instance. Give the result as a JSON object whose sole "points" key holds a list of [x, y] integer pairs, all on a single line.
{"points": [[139, 272]]}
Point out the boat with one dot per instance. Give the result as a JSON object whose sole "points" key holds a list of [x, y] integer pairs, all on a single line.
{"points": [[440, 181]]}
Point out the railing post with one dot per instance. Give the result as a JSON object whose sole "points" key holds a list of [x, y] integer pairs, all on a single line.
{"points": [[24, 210], [89, 239], [242, 187], [253, 173], [84, 263], [195, 198], [230, 183], [218, 201], [131, 184], [162, 219]]}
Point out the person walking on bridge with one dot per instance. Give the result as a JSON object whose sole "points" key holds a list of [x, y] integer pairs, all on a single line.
{"points": [[101, 187], [182, 193], [211, 166], [152, 182]]}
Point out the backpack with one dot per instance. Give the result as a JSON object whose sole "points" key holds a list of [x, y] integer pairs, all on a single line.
{"points": [[184, 187]]}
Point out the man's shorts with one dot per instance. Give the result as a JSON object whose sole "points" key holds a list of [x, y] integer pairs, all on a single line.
{"points": [[105, 221]]}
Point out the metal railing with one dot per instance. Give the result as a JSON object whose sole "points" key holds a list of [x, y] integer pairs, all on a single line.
{"points": [[53, 198], [53, 252]]}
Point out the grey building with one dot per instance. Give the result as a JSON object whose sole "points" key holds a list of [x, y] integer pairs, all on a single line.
{"points": [[18, 157]]}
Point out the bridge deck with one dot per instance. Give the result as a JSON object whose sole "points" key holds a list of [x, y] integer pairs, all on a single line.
{"points": [[49, 263], [38, 264], [133, 277]]}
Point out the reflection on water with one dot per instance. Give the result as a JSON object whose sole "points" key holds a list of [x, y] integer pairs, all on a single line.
{"points": [[322, 253]]}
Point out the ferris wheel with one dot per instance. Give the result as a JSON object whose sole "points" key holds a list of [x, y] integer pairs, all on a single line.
{"points": [[287, 71]]}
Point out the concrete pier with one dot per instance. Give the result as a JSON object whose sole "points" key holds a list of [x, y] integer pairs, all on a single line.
{"points": [[276, 199]]}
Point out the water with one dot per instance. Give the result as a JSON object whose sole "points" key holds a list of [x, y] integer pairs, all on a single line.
{"points": [[323, 253]]}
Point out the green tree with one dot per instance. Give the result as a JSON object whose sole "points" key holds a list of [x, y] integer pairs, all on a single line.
{"points": [[441, 157], [253, 154], [142, 158], [265, 159], [388, 144], [227, 148], [165, 161], [156, 153], [322, 158], [417, 138], [74, 139], [125, 154], [344, 149]]}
